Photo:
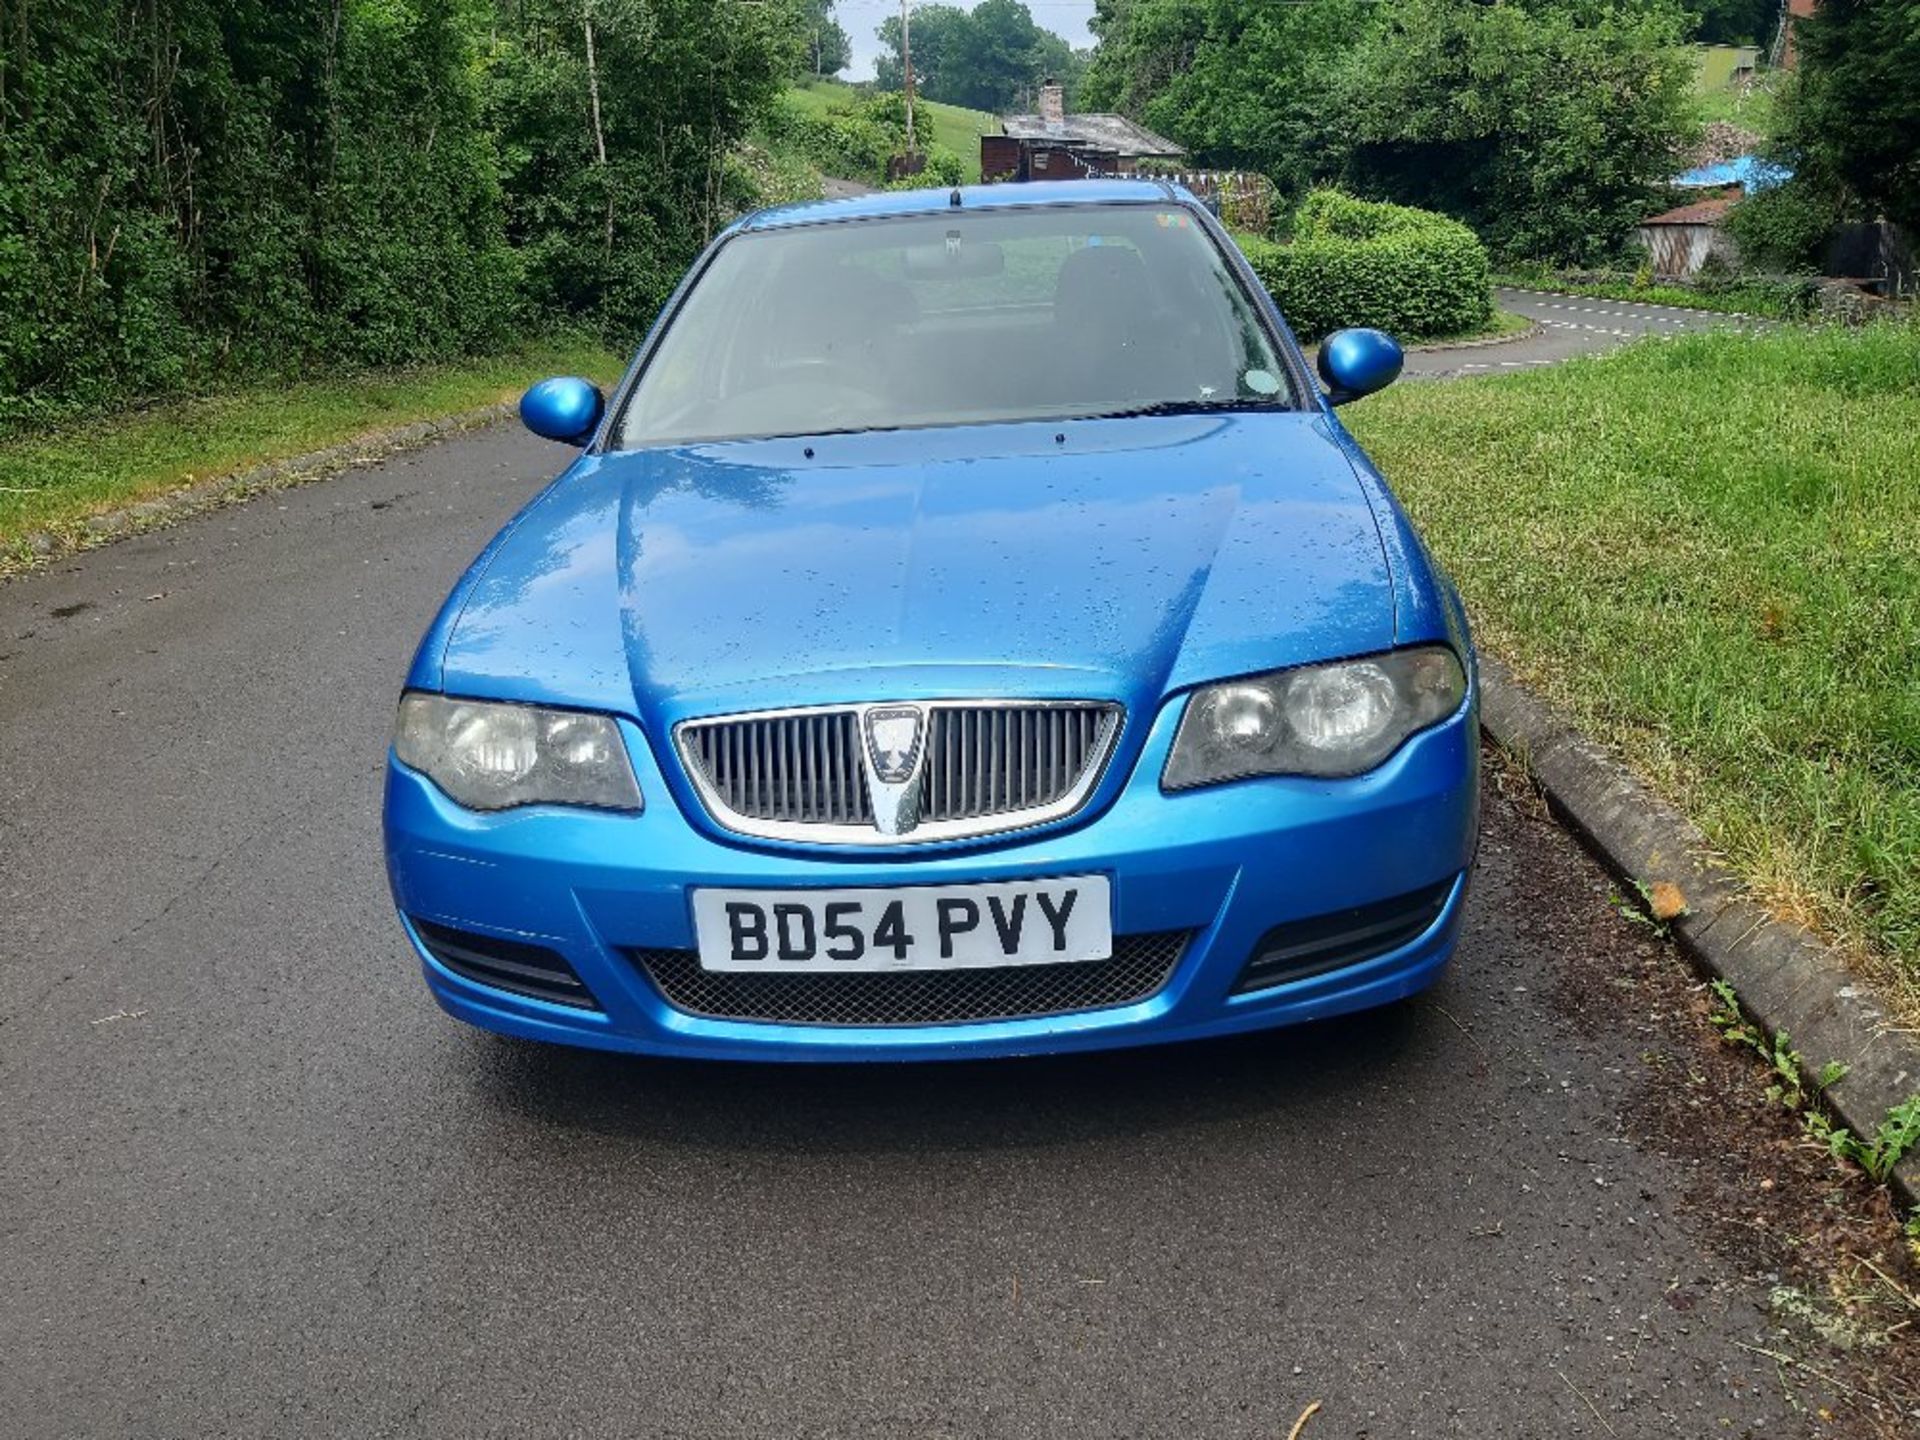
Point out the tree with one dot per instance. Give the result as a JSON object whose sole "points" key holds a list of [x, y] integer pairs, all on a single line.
{"points": [[993, 57], [1552, 129], [934, 29], [1854, 115], [1242, 83], [613, 119], [1735, 22], [827, 51], [1549, 125]]}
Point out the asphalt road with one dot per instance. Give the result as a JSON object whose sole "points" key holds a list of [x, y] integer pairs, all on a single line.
{"points": [[252, 1183], [1569, 325]]}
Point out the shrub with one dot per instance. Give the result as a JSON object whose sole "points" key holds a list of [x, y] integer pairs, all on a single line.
{"points": [[855, 142], [1786, 227], [944, 171], [1355, 262]]}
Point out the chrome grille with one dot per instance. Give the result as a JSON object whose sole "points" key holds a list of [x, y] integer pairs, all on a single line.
{"points": [[804, 769], [1002, 759], [1138, 968], [983, 767]]}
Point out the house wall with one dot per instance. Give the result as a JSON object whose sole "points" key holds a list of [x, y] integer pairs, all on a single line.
{"points": [[999, 156], [1682, 249]]}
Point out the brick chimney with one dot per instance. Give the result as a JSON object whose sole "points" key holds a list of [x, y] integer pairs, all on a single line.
{"points": [[1053, 103]]}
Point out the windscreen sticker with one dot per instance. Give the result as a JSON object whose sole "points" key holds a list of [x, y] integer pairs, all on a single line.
{"points": [[1262, 382]]}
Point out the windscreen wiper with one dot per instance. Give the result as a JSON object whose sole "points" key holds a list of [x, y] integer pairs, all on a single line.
{"points": [[1188, 407]]}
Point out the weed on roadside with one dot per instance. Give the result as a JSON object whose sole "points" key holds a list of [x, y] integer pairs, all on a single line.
{"points": [[1819, 1244]]}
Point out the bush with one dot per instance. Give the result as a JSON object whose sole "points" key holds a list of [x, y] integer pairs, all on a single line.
{"points": [[944, 171], [1355, 262], [1786, 227], [854, 143]]}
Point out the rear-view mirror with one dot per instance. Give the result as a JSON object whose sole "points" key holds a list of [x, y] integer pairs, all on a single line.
{"points": [[565, 408], [956, 259], [1358, 362]]}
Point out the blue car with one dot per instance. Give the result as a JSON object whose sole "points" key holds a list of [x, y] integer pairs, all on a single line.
{"points": [[966, 631]]}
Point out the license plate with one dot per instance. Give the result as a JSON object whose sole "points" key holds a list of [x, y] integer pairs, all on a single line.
{"points": [[909, 927]]}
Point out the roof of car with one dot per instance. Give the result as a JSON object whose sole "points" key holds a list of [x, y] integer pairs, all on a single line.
{"points": [[972, 197]]}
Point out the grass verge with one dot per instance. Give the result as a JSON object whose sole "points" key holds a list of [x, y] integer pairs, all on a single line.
{"points": [[1707, 549], [53, 482], [1504, 325], [1775, 299]]}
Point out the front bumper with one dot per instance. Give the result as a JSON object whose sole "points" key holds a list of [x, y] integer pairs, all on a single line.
{"points": [[1226, 864]]}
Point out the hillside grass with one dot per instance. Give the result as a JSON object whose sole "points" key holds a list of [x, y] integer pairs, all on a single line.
{"points": [[953, 126], [1750, 107], [55, 481], [1707, 550]]}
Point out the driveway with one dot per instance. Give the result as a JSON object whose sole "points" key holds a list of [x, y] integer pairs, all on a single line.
{"points": [[1570, 325], [252, 1183]]}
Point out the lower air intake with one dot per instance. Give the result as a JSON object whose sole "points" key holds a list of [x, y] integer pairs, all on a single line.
{"points": [[505, 964], [1301, 949], [1138, 968]]}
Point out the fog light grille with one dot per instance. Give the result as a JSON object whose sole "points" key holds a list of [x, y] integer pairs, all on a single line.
{"points": [[510, 965], [1301, 949], [1138, 968]]}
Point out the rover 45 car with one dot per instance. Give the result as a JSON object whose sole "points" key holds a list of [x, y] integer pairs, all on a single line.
{"points": [[966, 630]]}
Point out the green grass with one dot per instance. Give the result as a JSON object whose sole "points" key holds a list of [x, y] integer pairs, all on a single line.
{"points": [[1503, 324], [53, 482], [1708, 550], [1750, 107], [953, 126]]}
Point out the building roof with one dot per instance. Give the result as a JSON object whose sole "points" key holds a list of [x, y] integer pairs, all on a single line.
{"points": [[1103, 132], [972, 197], [1701, 212]]}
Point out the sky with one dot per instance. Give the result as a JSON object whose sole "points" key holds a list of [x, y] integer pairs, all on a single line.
{"points": [[860, 18]]}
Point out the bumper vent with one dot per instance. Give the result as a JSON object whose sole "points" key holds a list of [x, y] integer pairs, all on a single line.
{"points": [[505, 964], [1301, 949], [1139, 967]]}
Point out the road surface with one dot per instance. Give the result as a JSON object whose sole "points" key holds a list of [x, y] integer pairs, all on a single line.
{"points": [[252, 1183]]}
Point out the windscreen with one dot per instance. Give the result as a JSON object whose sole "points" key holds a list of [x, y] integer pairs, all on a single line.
{"points": [[956, 318]]}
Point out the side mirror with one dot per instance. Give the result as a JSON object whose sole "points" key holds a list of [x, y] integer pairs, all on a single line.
{"points": [[566, 409], [1359, 362]]}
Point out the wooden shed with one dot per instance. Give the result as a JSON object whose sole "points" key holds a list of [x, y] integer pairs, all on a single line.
{"points": [[1680, 241]]}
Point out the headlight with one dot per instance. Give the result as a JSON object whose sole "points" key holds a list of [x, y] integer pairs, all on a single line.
{"points": [[1335, 719], [490, 757]]}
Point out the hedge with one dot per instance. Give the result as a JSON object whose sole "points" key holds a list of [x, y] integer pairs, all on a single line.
{"points": [[1409, 272]]}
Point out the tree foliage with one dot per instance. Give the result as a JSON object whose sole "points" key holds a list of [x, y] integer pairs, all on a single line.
{"points": [[608, 197], [993, 57], [197, 189], [1852, 121], [1551, 126], [1735, 22], [824, 44]]}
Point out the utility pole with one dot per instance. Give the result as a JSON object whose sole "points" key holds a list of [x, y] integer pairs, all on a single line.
{"points": [[906, 59]]}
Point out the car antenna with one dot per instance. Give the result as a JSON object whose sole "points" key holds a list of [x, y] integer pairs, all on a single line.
{"points": [[953, 200]]}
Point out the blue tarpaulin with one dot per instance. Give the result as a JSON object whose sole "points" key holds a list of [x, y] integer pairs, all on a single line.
{"points": [[1749, 172]]}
